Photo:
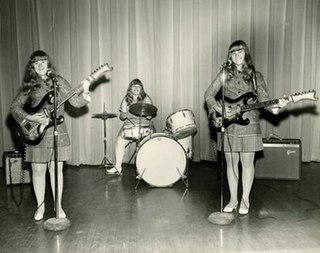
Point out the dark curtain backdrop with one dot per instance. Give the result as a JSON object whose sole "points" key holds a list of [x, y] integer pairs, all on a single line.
{"points": [[175, 47]]}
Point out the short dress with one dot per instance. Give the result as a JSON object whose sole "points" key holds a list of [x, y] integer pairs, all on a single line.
{"points": [[43, 152], [239, 138]]}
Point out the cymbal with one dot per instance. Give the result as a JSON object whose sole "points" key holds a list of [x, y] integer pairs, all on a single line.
{"points": [[144, 109], [104, 115]]}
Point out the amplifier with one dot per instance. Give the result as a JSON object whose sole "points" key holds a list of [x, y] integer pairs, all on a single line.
{"points": [[280, 159], [15, 170]]}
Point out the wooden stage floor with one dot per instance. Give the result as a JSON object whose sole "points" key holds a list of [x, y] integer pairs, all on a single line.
{"points": [[107, 214]]}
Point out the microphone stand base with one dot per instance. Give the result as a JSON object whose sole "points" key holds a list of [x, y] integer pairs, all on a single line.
{"points": [[219, 218], [57, 224]]}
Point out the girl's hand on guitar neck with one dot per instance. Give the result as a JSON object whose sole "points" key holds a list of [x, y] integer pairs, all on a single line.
{"points": [[86, 93], [281, 103]]}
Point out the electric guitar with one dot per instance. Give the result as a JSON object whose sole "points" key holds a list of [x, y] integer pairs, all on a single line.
{"points": [[248, 102], [33, 132]]}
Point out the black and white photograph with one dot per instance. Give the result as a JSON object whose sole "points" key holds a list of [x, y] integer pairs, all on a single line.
{"points": [[159, 126]]}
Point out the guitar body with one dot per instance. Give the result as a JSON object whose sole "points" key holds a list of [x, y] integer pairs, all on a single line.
{"points": [[33, 132], [235, 104], [47, 99]]}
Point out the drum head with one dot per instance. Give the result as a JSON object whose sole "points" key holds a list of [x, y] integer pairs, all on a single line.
{"points": [[161, 161]]}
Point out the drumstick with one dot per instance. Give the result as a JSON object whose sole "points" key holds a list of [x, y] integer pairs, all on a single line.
{"points": [[130, 121]]}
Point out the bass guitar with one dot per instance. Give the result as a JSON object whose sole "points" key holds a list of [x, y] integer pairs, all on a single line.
{"points": [[33, 132], [248, 102]]}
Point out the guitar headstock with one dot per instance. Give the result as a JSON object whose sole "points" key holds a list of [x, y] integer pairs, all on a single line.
{"points": [[100, 70], [305, 95]]}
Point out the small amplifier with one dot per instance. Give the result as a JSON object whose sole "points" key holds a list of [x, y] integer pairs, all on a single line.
{"points": [[280, 159], [15, 170]]}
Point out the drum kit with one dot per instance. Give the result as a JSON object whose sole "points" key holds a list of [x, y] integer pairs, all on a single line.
{"points": [[161, 158]]}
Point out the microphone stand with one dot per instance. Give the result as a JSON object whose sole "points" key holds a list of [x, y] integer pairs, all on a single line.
{"points": [[56, 224], [222, 218]]}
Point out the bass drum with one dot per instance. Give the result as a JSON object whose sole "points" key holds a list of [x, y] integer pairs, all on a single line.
{"points": [[161, 161]]}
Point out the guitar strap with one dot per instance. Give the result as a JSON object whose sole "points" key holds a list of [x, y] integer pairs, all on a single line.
{"points": [[254, 82]]}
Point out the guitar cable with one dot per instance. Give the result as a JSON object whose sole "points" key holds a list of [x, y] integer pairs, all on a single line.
{"points": [[21, 187]]}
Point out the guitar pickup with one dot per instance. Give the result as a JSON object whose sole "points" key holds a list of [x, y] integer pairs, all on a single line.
{"points": [[27, 125]]}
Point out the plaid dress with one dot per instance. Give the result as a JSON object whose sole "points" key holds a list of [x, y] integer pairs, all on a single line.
{"points": [[239, 138], [43, 152]]}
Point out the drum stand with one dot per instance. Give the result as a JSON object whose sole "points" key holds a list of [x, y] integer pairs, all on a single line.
{"points": [[105, 163], [136, 141], [139, 177], [185, 177]]}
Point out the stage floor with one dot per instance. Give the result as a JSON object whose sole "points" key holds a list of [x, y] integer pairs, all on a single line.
{"points": [[108, 214]]}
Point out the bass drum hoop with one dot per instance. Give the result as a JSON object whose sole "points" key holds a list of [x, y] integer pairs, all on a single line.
{"points": [[161, 161]]}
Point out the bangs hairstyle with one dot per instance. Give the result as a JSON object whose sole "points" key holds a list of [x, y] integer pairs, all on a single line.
{"points": [[248, 67], [38, 56], [129, 96], [31, 79]]}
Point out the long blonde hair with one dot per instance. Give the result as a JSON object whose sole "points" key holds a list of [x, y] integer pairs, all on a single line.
{"points": [[248, 68]]}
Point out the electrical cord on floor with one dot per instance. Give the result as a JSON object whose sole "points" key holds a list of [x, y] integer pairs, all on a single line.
{"points": [[21, 186], [311, 202]]}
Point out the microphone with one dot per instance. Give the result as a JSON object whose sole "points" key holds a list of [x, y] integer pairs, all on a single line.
{"points": [[50, 73], [228, 63]]}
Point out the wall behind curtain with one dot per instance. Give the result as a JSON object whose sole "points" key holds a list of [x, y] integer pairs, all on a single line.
{"points": [[175, 47]]}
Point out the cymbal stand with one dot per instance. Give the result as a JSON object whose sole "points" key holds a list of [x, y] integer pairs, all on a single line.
{"points": [[139, 137], [139, 177], [105, 163]]}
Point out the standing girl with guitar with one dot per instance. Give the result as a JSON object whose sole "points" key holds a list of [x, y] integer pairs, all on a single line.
{"points": [[28, 108], [238, 78]]}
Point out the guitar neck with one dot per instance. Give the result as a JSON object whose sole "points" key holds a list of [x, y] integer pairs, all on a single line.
{"points": [[249, 107], [71, 93]]}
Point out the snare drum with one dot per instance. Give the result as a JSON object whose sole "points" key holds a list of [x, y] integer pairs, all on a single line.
{"points": [[161, 161], [181, 124], [132, 133]]}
